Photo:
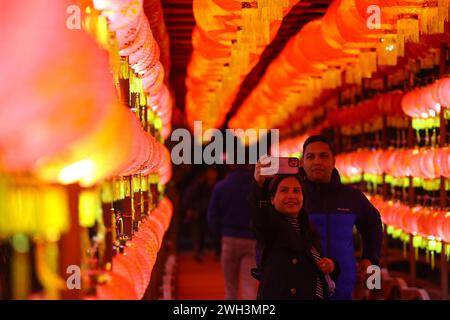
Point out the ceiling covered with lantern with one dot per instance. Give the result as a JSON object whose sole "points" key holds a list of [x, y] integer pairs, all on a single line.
{"points": [[219, 51], [285, 64]]}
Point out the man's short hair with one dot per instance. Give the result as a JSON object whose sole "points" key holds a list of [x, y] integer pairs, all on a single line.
{"points": [[318, 138]]}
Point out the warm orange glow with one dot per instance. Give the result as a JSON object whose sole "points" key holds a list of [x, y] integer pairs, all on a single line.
{"points": [[81, 170], [427, 101], [227, 41]]}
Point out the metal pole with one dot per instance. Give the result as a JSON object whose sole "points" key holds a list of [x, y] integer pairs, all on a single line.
{"points": [[443, 205], [443, 191], [411, 195]]}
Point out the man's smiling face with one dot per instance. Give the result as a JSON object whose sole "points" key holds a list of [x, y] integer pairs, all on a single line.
{"points": [[318, 162]]}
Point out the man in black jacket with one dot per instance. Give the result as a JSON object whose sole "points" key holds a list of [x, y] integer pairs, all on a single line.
{"points": [[334, 210]]}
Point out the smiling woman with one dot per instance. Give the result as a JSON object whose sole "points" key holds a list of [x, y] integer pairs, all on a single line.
{"points": [[292, 266], [287, 196]]}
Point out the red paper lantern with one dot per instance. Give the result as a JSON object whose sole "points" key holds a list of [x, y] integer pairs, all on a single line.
{"points": [[446, 228], [150, 241], [416, 169], [140, 246], [412, 221], [384, 160], [444, 160], [443, 92], [430, 165], [423, 222], [141, 270], [129, 268], [118, 287]]}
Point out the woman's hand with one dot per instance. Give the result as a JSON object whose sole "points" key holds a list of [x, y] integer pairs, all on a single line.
{"points": [[326, 265]]}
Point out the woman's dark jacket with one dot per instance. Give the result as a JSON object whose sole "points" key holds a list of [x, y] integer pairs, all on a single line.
{"points": [[288, 271]]}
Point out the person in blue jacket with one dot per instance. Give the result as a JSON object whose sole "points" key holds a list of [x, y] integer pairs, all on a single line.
{"points": [[229, 216], [334, 210]]}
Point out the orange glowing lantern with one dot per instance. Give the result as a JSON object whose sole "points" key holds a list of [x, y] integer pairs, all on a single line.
{"points": [[154, 162], [403, 221], [353, 27], [388, 213], [413, 221], [384, 207], [141, 269], [31, 133], [415, 164], [427, 101], [384, 160], [314, 47], [117, 287], [165, 168], [444, 160], [424, 216], [443, 92], [430, 165], [446, 227], [208, 47], [150, 241], [120, 14], [372, 164], [139, 245], [130, 264], [157, 226], [126, 268], [153, 226], [167, 207], [411, 105]]}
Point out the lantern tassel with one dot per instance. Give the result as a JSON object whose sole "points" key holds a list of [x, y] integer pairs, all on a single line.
{"points": [[21, 267], [124, 69], [408, 27], [432, 260], [404, 249], [46, 265], [443, 6]]}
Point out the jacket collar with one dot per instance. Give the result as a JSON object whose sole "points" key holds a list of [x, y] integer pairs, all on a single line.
{"points": [[289, 237], [335, 182]]}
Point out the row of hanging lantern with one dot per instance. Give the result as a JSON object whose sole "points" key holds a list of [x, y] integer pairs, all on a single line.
{"points": [[53, 132], [142, 74], [155, 15], [132, 270], [425, 163], [31, 198], [63, 123], [422, 221], [289, 148], [423, 104], [343, 40], [427, 101], [428, 227], [141, 79], [293, 147], [136, 44], [384, 104], [228, 40]]}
